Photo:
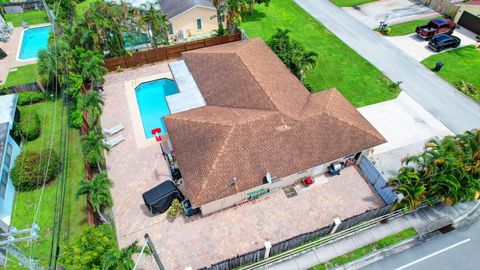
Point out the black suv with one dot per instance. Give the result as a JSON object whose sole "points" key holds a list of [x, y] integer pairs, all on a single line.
{"points": [[442, 42]]}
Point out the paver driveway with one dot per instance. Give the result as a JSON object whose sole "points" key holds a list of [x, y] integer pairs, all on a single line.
{"points": [[457, 111]]}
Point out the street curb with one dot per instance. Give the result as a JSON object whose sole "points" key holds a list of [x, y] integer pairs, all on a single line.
{"points": [[383, 253], [373, 257], [465, 215]]}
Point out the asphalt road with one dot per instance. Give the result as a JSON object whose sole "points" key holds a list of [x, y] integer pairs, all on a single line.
{"points": [[457, 111], [458, 250]]}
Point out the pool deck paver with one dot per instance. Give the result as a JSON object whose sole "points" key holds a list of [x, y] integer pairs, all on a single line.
{"points": [[11, 48], [201, 241]]}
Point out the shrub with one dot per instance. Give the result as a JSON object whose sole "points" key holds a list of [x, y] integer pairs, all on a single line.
{"points": [[4, 90], [27, 98], [386, 31], [75, 118], [87, 251], [30, 125], [175, 209], [30, 168]]}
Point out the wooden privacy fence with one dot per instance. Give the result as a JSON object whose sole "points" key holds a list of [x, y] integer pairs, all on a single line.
{"points": [[165, 53], [296, 241]]}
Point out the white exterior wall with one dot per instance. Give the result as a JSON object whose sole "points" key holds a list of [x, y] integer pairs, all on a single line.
{"points": [[231, 200]]}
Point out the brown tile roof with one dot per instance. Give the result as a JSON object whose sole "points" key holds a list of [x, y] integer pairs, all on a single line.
{"points": [[259, 118]]}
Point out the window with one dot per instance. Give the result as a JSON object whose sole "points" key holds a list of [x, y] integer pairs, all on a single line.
{"points": [[199, 24], [221, 16], [8, 155], [170, 29], [3, 184]]}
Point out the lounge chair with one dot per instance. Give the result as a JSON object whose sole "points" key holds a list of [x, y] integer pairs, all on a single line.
{"points": [[4, 37], [8, 27], [114, 141], [25, 25], [112, 131]]}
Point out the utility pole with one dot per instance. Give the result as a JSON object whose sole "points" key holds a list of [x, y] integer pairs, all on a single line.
{"points": [[154, 252], [8, 239]]}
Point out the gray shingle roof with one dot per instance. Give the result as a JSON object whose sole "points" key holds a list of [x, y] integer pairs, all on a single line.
{"points": [[172, 8]]}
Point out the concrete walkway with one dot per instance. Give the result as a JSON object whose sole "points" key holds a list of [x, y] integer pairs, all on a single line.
{"points": [[457, 111], [418, 221]]}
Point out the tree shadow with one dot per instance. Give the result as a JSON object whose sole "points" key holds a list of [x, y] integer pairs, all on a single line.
{"points": [[257, 16]]}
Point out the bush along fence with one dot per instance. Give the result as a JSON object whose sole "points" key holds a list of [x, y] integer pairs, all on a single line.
{"points": [[165, 53], [377, 180]]}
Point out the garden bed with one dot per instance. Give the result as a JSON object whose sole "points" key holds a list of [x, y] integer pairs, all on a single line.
{"points": [[406, 28], [338, 65]]}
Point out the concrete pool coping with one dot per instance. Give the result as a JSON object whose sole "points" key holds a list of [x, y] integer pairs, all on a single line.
{"points": [[129, 87], [21, 41]]}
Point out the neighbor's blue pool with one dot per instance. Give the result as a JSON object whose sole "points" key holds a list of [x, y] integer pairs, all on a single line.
{"points": [[34, 40], [153, 105]]}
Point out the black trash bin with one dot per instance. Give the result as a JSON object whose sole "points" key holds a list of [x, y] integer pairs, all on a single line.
{"points": [[438, 66]]}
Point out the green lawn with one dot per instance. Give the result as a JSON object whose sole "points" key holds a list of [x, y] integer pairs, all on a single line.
{"points": [[350, 3], [338, 65], [460, 64], [23, 75], [31, 17], [360, 252], [81, 7], [75, 211], [407, 27]]}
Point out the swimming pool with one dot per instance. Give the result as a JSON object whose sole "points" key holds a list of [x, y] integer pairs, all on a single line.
{"points": [[34, 40], [137, 40], [153, 105]]}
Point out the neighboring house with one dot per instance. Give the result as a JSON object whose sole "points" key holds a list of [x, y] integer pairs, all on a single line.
{"points": [[468, 15], [190, 18], [256, 119], [9, 151]]}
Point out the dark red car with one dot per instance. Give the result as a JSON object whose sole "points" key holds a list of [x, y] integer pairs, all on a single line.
{"points": [[435, 28]]}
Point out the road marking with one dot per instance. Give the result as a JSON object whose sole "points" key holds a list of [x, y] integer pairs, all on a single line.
{"points": [[435, 253]]}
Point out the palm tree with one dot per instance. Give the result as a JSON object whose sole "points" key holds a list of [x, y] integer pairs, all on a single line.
{"points": [[92, 146], [408, 183], [234, 13], [306, 62], [97, 192], [91, 65], [121, 259], [93, 103], [157, 24]]}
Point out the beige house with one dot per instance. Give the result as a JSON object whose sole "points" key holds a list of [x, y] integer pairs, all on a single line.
{"points": [[190, 18], [257, 128], [468, 15]]}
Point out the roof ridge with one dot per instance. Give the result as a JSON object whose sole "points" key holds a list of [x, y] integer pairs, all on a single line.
{"points": [[255, 79], [216, 160], [329, 112]]}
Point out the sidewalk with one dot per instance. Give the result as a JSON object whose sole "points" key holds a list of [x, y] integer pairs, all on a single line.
{"points": [[419, 220]]}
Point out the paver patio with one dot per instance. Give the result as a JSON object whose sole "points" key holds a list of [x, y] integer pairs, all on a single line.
{"points": [[135, 167]]}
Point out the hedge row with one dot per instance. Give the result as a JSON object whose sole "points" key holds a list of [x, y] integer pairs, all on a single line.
{"points": [[27, 98]]}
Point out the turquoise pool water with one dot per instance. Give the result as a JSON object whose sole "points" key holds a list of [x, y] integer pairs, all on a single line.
{"points": [[137, 40], [34, 40], [153, 105]]}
